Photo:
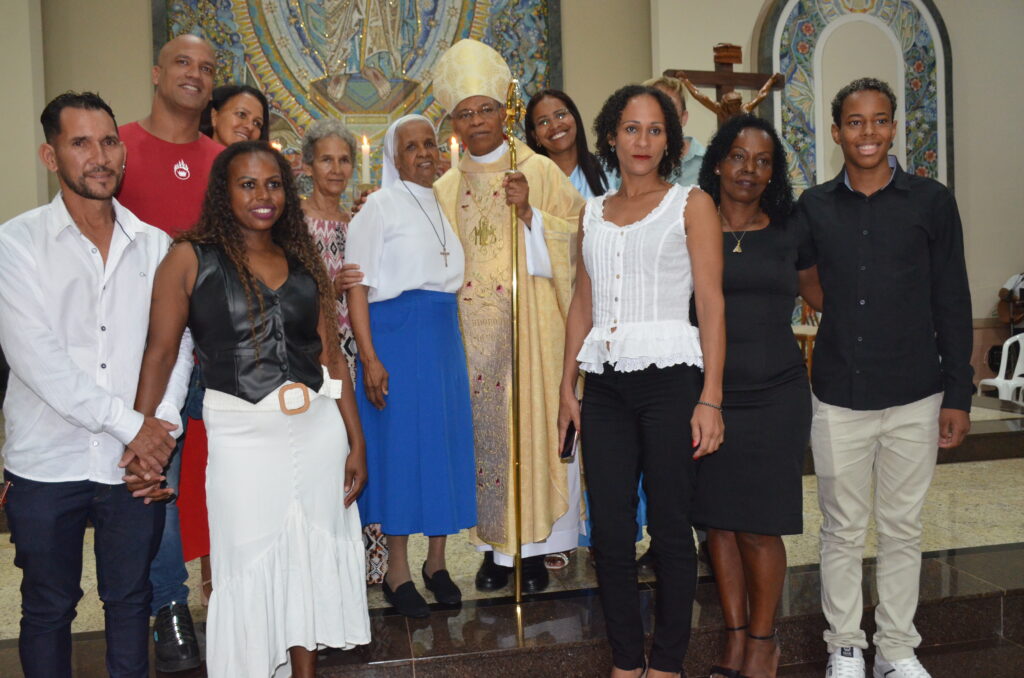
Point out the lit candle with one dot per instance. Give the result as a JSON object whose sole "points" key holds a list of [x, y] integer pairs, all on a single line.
{"points": [[276, 145], [454, 148], [364, 170]]}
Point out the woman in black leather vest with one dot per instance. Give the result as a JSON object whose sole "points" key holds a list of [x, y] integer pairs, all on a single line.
{"points": [[287, 457]]}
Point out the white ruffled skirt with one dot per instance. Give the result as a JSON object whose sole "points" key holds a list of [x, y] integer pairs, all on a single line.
{"points": [[287, 556]]}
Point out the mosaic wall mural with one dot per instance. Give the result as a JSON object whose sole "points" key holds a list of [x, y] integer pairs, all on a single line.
{"points": [[791, 40], [366, 62]]}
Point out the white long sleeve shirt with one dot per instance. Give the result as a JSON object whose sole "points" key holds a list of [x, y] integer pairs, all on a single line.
{"points": [[73, 331]]}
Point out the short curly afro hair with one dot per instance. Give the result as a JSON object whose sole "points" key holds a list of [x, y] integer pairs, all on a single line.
{"points": [[607, 123], [860, 85], [777, 199]]}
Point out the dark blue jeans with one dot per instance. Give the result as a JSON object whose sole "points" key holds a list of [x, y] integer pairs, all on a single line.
{"points": [[47, 522]]}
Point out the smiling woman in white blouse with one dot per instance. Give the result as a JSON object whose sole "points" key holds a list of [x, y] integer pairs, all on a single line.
{"points": [[647, 407], [412, 385]]}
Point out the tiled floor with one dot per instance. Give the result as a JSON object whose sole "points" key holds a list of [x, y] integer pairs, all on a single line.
{"points": [[970, 504]]}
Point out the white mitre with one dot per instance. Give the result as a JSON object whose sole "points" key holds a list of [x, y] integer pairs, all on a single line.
{"points": [[470, 68]]}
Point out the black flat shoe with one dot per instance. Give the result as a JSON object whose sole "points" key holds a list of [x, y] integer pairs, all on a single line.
{"points": [[441, 585], [407, 600], [535, 575], [491, 576]]}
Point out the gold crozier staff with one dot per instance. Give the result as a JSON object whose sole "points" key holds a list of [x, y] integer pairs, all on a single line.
{"points": [[513, 112]]}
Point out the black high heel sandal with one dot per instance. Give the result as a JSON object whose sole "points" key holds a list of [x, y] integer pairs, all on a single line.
{"points": [[723, 671], [778, 648]]}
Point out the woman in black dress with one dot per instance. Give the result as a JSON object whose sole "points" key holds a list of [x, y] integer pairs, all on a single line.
{"points": [[750, 493]]}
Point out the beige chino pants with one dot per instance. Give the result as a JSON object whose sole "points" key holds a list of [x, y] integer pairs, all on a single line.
{"points": [[896, 448]]}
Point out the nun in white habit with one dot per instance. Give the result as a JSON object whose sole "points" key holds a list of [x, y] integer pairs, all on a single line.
{"points": [[412, 387]]}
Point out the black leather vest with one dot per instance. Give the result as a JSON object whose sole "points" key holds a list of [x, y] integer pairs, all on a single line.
{"points": [[289, 345]]}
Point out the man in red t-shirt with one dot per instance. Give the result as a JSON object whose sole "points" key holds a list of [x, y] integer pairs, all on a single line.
{"points": [[168, 160], [166, 171]]}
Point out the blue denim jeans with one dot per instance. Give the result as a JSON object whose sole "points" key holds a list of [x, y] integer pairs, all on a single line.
{"points": [[48, 522], [167, 572]]}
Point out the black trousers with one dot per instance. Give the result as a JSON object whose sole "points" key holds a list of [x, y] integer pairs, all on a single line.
{"points": [[633, 422]]}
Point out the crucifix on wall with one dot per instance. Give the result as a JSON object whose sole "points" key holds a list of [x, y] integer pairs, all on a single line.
{"points": [[725, 81]]}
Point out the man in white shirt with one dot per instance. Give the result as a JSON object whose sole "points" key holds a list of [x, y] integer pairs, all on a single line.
{"points": [[75, 284]]}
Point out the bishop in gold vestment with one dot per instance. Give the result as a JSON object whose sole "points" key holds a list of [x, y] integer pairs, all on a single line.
{"points": [[473, 197]]}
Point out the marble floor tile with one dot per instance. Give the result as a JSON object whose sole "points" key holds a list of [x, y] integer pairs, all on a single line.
{"points": [[970, 504]]}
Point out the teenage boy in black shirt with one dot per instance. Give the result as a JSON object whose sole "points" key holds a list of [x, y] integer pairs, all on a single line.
{"points": [[892, 379]]}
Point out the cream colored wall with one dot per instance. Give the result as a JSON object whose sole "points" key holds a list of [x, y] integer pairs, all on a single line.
{"points": [[989, 144], [100, 46], [987, 105], [22, 176], [105, 46], [605, 44]]}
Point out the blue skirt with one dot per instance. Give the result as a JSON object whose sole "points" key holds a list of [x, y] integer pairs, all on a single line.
{"points": [[419, 448]]}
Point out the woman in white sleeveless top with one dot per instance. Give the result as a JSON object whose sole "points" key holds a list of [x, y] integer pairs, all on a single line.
{"points": [[647, 407]]}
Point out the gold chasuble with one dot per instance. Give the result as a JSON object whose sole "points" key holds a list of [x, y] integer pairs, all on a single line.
{"points": [[473, 200]]}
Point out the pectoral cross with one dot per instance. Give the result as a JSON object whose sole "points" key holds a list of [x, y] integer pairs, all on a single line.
{"points": [[445, 253]]}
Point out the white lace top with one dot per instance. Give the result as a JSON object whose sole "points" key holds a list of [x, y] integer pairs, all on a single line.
{"points": [[641, 286]]}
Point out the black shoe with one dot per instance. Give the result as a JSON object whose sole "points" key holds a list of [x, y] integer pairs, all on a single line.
{"points": [[444, 589], [535, 575], [491, 576], [174, 639], [407, 600]]}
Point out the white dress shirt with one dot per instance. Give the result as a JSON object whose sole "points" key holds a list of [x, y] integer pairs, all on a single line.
{"points": [[73, 331], [538, 260], [397, 243]]}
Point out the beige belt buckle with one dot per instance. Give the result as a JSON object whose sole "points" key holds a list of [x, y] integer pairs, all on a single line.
{"points": [[293, 387]]}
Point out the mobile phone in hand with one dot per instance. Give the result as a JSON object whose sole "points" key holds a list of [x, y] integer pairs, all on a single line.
{"points": [[569, 443]]}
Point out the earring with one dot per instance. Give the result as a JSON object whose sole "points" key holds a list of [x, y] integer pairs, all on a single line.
{"points": [[718, 171]]}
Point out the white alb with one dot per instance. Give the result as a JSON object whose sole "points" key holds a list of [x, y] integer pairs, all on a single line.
{"points": [[641, 282]]}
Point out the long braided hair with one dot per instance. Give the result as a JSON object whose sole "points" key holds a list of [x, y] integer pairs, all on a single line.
{"points": [[218, 226]]}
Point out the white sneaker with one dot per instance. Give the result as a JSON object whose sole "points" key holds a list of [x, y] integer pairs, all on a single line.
{"points": [[901, 668], [846, 662]]}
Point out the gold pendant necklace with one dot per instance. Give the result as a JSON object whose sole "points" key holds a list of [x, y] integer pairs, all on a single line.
{"points": [[739, 242], [738, 249]]}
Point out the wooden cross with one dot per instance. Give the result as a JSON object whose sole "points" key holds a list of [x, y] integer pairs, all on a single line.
{"points": [[725, 81]]}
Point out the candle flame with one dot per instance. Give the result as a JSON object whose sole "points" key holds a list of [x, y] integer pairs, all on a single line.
{"points": [[276, 145], [365, 141]]}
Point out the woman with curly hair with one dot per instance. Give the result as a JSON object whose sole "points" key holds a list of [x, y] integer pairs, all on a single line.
{"points": [[554, 127], [287, 457], [642, 251], [749, 493]]}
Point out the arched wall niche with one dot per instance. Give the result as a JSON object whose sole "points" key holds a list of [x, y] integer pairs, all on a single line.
{"points": [[794, 39]]}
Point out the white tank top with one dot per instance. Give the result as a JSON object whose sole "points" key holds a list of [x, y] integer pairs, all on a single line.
{"points": [[641, 285]]}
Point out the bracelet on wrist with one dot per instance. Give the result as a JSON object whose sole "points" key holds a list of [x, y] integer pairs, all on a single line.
{"points": [[711, 405]]}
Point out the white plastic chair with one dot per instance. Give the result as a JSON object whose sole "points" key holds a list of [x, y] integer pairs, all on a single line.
{"points": [[1009, 383]]}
